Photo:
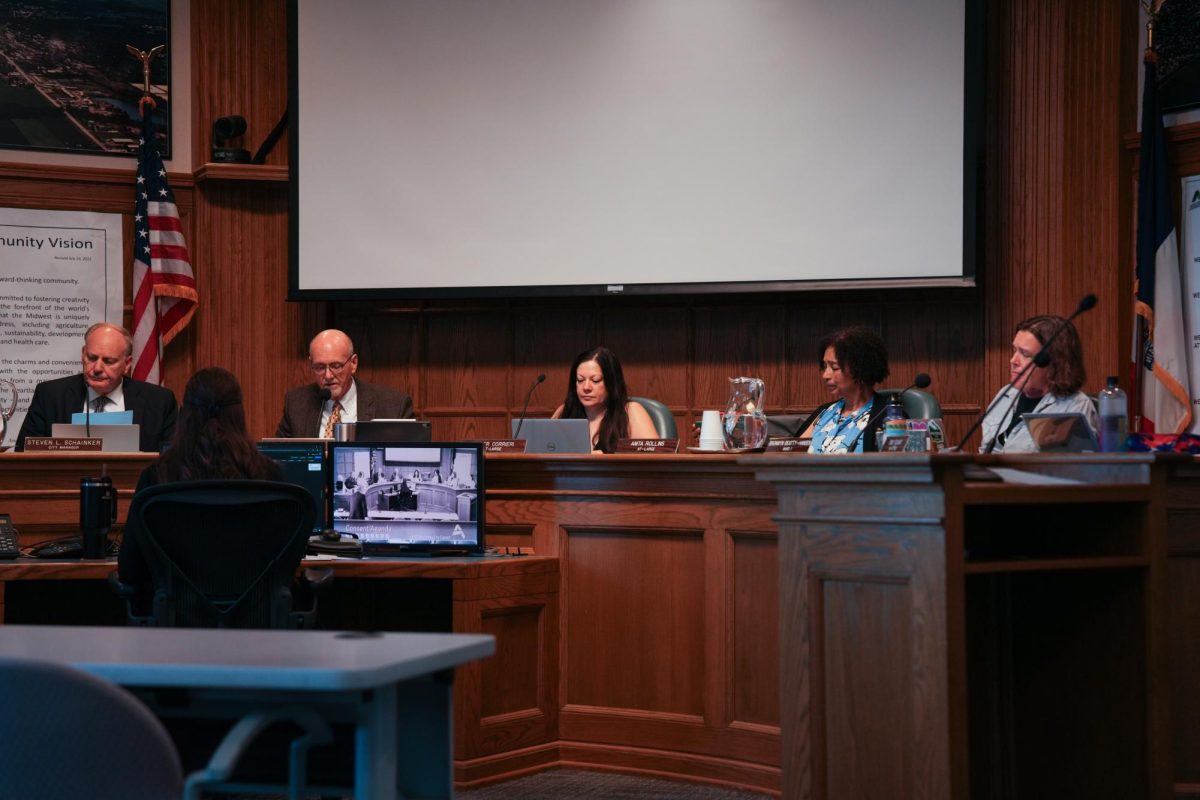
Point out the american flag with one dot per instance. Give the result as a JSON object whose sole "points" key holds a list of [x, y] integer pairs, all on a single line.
{"points": [[164, 288]]}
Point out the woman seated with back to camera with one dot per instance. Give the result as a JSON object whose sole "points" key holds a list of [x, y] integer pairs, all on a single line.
{"points": [[853, 362], [210, 442], [596, 392], [1054, 389]]}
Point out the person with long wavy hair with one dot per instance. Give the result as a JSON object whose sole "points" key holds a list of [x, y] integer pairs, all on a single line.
{"points": [[1053, 389], [210, 442], [596, 392]]}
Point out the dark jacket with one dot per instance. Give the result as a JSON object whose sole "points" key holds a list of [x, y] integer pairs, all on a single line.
{"points": [[302, 407], [154, 409]]}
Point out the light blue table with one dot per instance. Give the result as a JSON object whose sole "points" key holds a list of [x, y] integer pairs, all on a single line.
{"points": [[395, 688]]}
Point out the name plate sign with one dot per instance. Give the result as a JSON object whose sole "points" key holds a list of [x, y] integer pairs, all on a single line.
{"points": [[504, 445], [648, 445], [62, 444], [787, 445]]}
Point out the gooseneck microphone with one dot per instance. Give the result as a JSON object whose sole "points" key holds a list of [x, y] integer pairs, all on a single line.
{"points": [[324, 394], [528, 396], [920, 381], [1041, 360]]}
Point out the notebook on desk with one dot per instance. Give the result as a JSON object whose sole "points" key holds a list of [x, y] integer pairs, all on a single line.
{"points": [[114, 438], [554, 435], [1061, 433]]}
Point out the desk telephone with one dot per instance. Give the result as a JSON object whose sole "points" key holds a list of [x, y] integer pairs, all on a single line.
{"points": [[8, 538]]}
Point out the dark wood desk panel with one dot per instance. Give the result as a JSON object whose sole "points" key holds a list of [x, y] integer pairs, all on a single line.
{"points": [[41, 490], [669, 636], [952, 638], [667, 633], [514, 599], [1183, 628]]}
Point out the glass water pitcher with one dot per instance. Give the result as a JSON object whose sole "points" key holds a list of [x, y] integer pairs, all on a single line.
{"points": [[745, 424]]}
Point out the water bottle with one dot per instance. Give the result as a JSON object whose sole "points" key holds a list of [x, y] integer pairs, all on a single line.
{"points": [[893, 420], [1113, 411], [894, 410]]}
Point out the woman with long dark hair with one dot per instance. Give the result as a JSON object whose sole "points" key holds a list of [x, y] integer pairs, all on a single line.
{"points": [[210, 441], [597, 393]]}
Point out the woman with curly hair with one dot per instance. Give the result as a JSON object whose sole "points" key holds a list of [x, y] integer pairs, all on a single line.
{"points": [[853, 361]]}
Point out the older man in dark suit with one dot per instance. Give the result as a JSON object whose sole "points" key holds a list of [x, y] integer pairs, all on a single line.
{"points": [[103, 386], [333, 362]]}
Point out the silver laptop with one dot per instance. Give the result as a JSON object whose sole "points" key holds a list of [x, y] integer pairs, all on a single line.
{"points": [[554, 435], [1061, 433], [114, 438]]}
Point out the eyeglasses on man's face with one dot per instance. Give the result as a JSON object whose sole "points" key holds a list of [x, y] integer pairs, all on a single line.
{"points": [[335, 367]]}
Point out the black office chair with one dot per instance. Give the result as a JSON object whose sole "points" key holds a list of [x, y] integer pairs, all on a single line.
{"points": [[221, 554], [69, 734], [917, 404]]}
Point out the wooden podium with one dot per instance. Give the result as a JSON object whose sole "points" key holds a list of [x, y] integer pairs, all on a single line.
{"points": [[948, 634]]}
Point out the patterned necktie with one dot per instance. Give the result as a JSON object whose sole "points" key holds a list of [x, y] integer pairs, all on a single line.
{"points": [[99, 403], [334, 418]]}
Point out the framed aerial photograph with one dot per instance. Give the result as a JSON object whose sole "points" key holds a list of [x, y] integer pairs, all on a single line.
{"points": [[1177, 40], [69, 83]]}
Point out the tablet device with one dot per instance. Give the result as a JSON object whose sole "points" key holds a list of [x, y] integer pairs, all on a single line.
{"points": [[1061, 433], [554, 436]]}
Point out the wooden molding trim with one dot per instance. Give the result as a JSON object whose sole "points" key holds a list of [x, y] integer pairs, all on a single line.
{"points": [[86, 175]]}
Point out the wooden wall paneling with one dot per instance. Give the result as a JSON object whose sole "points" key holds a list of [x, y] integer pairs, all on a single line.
{"points": [[1183, 610], [751, 562], [388, 339], [651, 666], [731, 342], [1022, 261], [243, 322], [546, 338], [466, 378], [518, 701], [1091, 184], [239, 61], [651, 337]]}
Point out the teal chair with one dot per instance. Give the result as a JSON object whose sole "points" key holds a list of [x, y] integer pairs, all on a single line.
{"points": [[664, 420], [918, 404]]}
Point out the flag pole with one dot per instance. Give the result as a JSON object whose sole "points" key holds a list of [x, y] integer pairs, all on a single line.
{"points": [[145, 103], [1140, 323]]}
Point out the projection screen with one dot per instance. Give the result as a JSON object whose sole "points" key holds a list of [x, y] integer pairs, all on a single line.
{"points": [[453, 148]]}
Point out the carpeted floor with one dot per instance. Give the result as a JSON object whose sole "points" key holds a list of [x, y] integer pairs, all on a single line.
{"points": [[556, 784]]}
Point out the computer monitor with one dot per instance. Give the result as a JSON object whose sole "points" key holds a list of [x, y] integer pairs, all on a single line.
{"points": [[415, 497], [303, 463]]}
